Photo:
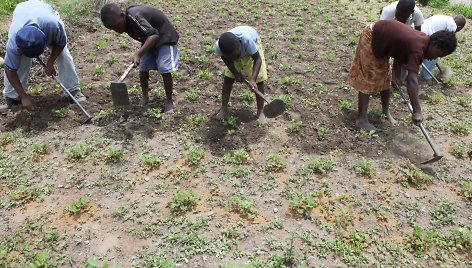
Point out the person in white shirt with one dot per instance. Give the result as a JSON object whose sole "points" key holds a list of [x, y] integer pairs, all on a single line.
{"points": [[439, 23], [404, 11]]}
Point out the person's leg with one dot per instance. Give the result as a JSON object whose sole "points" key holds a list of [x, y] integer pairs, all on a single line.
{"points": [[225, 95], [260, 103], [168, 62], [363, 104], [385, 98], [67, 74], [144, 81], [429, 64], [168, 84], [23, 72]]}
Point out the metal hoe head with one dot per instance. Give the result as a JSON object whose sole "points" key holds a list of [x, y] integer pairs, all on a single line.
{"points": [[434, 159], [119, 94], [274, 108]]}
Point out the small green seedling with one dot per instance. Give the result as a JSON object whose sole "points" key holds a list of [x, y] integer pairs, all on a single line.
{"points": [[78, 152], [61, 112], [182, 201], [78, 206]]}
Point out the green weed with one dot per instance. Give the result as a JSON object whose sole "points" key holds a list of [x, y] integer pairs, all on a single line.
{"points": [[40, 149], [98, 70], [113, 155], [78, 206], [364, 167], [204, 74], [193, 94], [414, 176], [155, 113], [194, 156], [78, 152], [182, 201], [443, 214], [303, 204], [461, 129], [275, 163], [238, 157], [242, 206], [193, 121], [150, 161], [294, 126], [61, 112], [289, 80]]}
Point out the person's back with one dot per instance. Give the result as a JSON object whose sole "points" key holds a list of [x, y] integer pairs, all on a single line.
{"points": [[438, 23], [156, 19], [32, 12], [393, 39]]}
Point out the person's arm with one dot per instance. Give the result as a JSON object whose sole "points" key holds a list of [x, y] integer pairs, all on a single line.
{"points": [[12, 76], [256, 67], [230, 64], [148, 44], [56, 51], [397, 73], [412, 88]]}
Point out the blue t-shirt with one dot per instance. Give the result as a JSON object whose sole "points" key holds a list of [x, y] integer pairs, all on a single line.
{"points": [[33, 12], [248, 38]]}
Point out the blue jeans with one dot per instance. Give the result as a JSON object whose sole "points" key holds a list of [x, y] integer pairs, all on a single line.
{"points": [[430, 64], [65, 67]]}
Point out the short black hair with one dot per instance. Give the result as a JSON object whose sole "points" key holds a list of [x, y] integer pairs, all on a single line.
{"points": [[444, 40], [108, 11], [406, 6], [228, 43]]}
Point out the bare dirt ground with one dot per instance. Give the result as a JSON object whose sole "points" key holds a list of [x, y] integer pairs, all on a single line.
{"points": [[305, 190]]}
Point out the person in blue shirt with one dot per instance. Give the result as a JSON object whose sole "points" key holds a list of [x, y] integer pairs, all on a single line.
{"points": [[241, 50], [35, 26]]}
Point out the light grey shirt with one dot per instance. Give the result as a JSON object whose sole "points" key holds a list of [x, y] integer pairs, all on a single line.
{"points": [[43, 16]]}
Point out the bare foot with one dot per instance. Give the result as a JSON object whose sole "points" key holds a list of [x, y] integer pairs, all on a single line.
{"points": [[168, 107], [222, 114], [365, 125], [144, 101], [262, 118], [390, 119]]}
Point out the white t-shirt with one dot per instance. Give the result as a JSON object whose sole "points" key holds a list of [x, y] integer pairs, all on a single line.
{"points": [[388, 13], [438, 23]]}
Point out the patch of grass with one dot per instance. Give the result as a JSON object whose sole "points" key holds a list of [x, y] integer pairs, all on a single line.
{"points": [[40, 149], [303, 204], [322, 132], [94, 263], [35, 90], [204, 74], [231, 122], [345, 104], [238, 157], [7, 138], [461, 129], [294, 126], [97, 70], [155, 113], [420, 241], [193, 94], [25, 194], [112, 59], [436, 98], [364, 167], [443, 214], [243, 207], [150, 161], [247, 96], [275, 163], [466, 191], [317, 166], [113, 155], [194, 156], [7, 6], [155, 260], [78, 152], [414, 176], [289, 80], [182, 201], [192, 121], [61, 112], [78, 206]]}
